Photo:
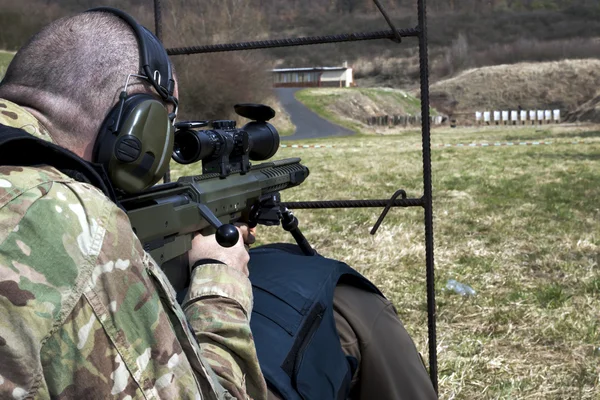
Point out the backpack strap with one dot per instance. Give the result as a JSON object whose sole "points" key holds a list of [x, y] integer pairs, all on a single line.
{"points": [[19, 148]]}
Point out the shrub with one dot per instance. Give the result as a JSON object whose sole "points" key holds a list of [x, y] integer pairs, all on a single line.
{"points": [[211, 84]]}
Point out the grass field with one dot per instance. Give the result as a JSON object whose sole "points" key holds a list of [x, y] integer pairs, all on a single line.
{"points": [[520, 224]]}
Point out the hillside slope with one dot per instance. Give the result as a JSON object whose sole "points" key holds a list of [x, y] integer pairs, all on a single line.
{"points": [[562, 84], [350, 107]]}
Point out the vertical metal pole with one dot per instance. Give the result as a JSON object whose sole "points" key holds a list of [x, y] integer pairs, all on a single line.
{"points": [[157, 20], [158, 33], [428, 203]]}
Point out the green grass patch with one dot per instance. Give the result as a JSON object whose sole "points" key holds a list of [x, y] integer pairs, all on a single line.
{"points": [[5, 59], [593, 287], [346, 106], [287, 132], [518, 224], [410, 104], [320, 104], [551, 296]]}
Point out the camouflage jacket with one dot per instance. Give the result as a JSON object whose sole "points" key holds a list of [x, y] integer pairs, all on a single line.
{"points": [[86, 313]]}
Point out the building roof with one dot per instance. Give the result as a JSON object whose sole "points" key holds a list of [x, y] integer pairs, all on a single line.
{"points": [[310, 69]]}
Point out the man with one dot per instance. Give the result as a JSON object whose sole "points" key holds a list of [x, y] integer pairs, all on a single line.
{"points": [[85, 312]]}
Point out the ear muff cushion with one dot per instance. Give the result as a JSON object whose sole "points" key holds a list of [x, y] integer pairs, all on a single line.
{"points": [[146, 123], [104, 147]]}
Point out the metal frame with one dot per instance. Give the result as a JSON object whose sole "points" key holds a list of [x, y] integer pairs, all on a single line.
{"points": [[396, 35]]}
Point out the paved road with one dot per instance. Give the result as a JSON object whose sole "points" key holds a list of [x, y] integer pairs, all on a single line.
{"points": [[308, 124]]}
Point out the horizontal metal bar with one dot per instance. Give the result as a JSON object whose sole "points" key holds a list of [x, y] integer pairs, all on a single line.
{"points": [[301, 41], [354, 203]]}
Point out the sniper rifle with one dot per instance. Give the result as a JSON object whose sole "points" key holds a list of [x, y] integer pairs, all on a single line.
{"points": [[229, 190]]}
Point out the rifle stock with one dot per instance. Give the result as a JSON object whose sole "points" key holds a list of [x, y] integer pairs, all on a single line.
{"points": [[166, 216]]}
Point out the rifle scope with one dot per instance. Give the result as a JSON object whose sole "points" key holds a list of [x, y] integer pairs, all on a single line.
{"points": [[257, 139]]}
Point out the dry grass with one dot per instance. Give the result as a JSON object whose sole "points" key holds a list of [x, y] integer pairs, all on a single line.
{"points": [[587, 112], [561, 84], [518, 224]]}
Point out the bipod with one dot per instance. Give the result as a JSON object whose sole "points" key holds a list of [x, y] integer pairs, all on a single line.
{"points": [[289, 223], [269, 211]]}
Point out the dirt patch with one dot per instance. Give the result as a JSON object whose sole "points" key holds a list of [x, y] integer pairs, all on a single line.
{"points": [[587, 112], [557, 85]]}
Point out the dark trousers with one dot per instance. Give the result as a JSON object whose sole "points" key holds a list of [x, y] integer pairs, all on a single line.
{"points": [[390, 367]]}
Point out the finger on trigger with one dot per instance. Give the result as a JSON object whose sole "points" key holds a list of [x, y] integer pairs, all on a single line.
{"points": [[249, 238], [244, 233]]}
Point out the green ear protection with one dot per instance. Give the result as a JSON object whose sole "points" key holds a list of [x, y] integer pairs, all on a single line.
{"points": [[135, 141]]}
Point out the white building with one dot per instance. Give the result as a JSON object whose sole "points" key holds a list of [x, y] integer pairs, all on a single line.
{"points": [[313, 77]]}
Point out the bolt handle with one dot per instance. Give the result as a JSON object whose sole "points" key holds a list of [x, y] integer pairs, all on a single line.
{"points": [[227, 235]]}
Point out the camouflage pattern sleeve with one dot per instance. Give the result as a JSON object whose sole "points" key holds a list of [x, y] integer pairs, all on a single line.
{"points": [[84, 311], [218, 307], [13, 115]]}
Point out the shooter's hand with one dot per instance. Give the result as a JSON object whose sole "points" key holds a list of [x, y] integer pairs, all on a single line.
{"points": [[206, 247], [251, 238]]}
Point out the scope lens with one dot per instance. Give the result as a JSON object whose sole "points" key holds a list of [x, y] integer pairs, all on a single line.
{"points": [[264, 140], [186, 147], [191, 146]]}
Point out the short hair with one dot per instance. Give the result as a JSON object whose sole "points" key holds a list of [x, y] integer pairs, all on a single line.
{"points": [[84, 58]]}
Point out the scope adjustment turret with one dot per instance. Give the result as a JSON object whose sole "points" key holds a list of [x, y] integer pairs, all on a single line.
{"points": [[224, 124]]}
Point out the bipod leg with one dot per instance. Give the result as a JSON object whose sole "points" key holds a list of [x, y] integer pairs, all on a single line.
{"points": [[290, 223]]}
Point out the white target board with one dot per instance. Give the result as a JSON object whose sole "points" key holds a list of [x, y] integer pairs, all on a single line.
{"points": [[514, 116], [523, 115], [556, 115], [540, 115], [486, 116]]}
